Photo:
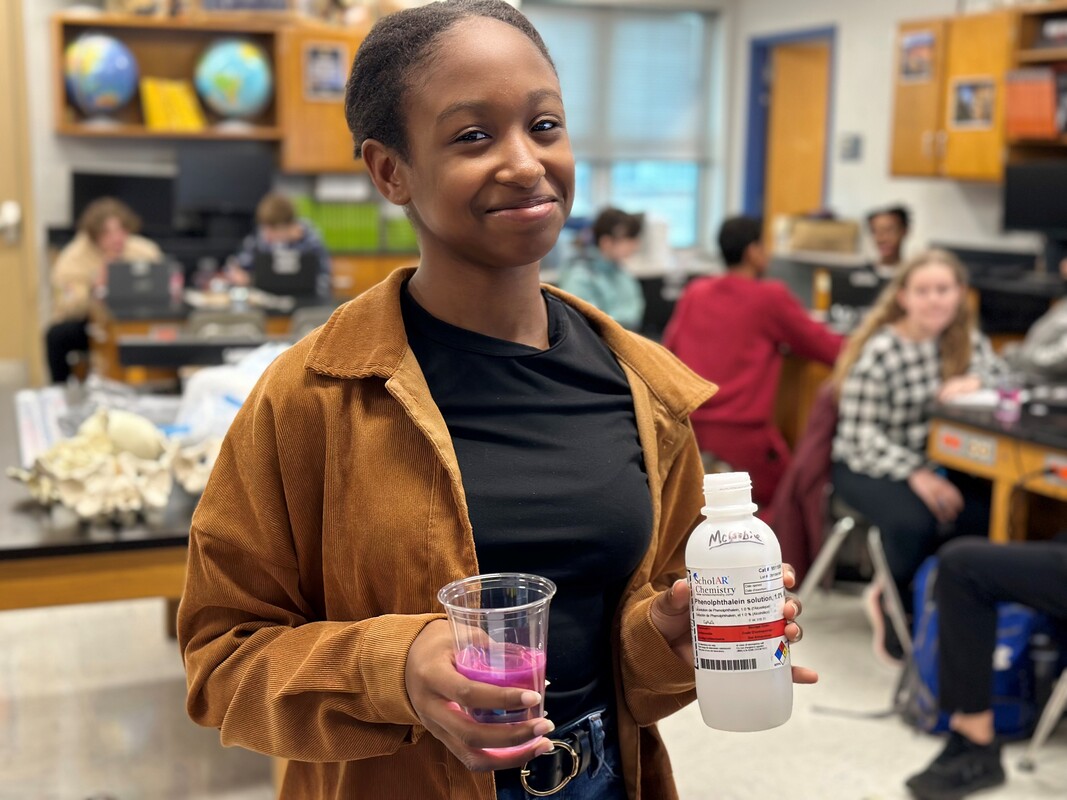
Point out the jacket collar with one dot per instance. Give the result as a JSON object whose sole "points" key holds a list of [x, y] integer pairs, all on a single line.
{"points": [[365, 338]]}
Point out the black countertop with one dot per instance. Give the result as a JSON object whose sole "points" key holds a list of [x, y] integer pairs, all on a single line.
{"points": [[29, 531], [1049, 430]]}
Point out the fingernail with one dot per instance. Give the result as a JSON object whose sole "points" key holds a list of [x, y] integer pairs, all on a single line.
{"points": [[530, 699], [544, 747], [544, 726]]}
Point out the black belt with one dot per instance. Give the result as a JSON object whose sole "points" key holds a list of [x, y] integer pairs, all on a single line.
{"points": [[570, 756]]}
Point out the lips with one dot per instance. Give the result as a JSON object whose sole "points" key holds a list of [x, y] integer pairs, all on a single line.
{"points": [[526, 202]]}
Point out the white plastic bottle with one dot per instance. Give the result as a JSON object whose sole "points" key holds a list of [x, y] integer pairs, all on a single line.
{"points": [[743, 676]]}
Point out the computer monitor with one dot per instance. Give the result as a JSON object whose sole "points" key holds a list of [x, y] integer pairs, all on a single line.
{"points": [[222, 177], [150, 197], [286, 272], [139, 283], [855, 288], [1034, 197]]}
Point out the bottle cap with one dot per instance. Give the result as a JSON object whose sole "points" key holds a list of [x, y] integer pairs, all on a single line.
{"points": [[728, 493]]}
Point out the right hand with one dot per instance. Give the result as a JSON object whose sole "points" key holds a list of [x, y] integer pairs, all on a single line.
{"points": [[438, 694], [939, 495]]}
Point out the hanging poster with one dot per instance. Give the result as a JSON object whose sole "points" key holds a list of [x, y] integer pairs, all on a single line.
{"points": [[971, 103], [325, 72], [917, 57]]}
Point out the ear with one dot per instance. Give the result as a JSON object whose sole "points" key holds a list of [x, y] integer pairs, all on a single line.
{"points": [[387, 170]]}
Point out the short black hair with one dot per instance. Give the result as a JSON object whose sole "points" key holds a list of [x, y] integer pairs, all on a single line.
{"points": [[618, 224], [735, 235], [384, 66], [900, 212]]}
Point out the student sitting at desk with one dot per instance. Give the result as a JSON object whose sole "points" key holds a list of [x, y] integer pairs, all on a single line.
{"points": [[729, 329], [602, 279], [106, 233], [277, 226], [918, 345]]}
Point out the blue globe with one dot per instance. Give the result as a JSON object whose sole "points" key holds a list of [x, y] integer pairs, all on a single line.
{"points": [[101, 73], [234, 79]]}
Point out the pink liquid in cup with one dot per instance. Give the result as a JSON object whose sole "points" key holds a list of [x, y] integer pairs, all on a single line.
{"points": [[512, 665]]}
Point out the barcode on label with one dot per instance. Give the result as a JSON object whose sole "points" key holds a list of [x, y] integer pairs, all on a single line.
{"points": [[729, 664]]}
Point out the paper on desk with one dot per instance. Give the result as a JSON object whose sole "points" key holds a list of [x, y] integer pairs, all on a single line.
{"points": [[983, 398]]}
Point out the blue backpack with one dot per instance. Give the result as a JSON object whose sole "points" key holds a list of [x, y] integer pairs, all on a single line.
{"points": [[1015, 708]]}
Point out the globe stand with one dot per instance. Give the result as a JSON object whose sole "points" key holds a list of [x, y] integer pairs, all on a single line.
{"points": [[101, 122], [236, 127]]}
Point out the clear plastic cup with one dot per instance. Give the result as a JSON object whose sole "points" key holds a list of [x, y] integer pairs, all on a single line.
{"points": [[500, 629]]}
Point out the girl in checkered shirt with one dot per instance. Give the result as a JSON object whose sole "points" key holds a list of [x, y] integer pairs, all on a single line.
{"points": [[918, 346]]}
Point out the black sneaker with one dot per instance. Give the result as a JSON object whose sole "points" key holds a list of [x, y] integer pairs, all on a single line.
{"points": [[961, 768]]}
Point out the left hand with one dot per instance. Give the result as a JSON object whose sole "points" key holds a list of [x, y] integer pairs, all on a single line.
{"points": [[960, 385], [670, 615]]}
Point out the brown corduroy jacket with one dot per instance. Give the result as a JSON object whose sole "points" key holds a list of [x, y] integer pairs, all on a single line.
{"points": [[334, 514]]}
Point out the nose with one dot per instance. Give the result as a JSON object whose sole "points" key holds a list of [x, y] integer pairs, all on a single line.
{"points": [[520, 161]]}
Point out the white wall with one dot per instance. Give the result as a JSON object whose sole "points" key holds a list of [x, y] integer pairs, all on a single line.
{"points": [[944, 210]]}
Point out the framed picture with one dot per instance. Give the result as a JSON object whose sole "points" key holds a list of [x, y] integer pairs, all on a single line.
{"points": [[917, 57], [325, 71], [971, 103]]}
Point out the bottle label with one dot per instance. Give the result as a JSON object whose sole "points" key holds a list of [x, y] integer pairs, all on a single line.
{"points": [[736, 616]]}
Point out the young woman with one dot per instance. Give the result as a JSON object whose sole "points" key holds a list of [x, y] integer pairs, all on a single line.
{"points": [[916, 347], [455, 419]]}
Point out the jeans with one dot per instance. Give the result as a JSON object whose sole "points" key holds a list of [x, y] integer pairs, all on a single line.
{"points": [[601, 781]]}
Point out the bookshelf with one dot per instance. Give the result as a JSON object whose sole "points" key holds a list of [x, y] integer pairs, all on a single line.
{"points": [[1041, 50], [166, 48]]}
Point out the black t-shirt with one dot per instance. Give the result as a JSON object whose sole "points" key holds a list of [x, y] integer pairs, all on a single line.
{"points": [[553, 474]]}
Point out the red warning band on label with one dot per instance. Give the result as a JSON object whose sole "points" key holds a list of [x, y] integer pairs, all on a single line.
{"points": [[741, 633]]}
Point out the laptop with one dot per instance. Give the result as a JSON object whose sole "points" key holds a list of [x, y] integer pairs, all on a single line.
{"points": [[139, 283], [286, 271]]}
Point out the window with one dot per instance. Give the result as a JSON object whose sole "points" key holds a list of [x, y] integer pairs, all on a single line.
{"points": [[637, 85]]}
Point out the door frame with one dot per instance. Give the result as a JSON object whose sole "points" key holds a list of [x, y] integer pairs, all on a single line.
{"points": [[13, 60], [760, 49]]}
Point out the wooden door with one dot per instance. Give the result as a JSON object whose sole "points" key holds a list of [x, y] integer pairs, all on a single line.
{"points": [[918, 97], [796, 129], [978, 57], [21, 344], [314, 62]]}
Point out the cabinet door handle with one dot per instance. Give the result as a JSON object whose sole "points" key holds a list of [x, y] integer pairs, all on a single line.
{"points": [[942, 143], [928, 144]]}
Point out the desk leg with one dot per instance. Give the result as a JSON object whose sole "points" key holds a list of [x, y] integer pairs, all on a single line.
{"points": [[1001, 513], [278, 766], [171, 618]]}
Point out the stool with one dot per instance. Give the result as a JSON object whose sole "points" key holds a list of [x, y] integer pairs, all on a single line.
{"points": [[1054, 708], [848, 519]]}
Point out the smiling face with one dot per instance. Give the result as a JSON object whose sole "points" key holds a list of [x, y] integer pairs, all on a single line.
{"points": [[931, 299], [888, 233], [489, 176]]}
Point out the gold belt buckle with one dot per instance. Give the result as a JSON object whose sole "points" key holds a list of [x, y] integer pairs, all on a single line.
{"points": [[524, 773]]}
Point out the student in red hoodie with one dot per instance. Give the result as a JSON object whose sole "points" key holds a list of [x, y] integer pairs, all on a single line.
{"points": [[731, 330]]}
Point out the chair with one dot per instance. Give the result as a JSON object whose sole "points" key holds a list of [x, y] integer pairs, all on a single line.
{"points": [[305, 320], [206, 324], [1054, 708], [849, 519]]}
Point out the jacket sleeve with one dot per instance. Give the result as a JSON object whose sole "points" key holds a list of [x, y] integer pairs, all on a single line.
{"points": [[804, 336], [656, 683], [71, 279], [261, 664]]}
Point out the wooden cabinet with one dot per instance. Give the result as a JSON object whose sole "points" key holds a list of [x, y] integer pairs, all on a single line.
{"points": [[163, 48], [949, 96], [919, 93], [312, 106], [351, 274]]}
